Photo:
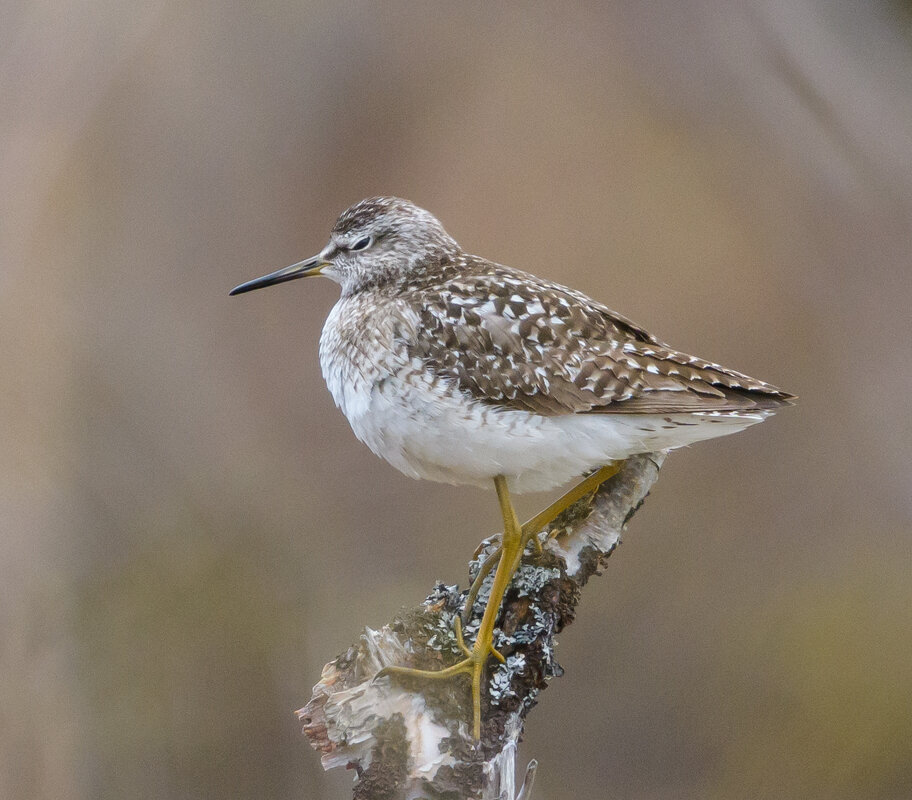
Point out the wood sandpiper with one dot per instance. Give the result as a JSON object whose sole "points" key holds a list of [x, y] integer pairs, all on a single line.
{"points": [[456, 369]]}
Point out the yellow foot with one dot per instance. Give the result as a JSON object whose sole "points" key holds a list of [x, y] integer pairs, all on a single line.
{"points": [[472, 665]]}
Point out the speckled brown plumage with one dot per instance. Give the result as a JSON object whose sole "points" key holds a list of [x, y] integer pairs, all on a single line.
{"points": [[508, 338]]}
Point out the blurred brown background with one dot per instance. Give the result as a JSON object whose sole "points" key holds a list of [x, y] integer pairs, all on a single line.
{"points": [[189, 528]]}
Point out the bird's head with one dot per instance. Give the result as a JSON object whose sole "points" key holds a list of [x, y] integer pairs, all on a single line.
{"points": [[376, 241]]}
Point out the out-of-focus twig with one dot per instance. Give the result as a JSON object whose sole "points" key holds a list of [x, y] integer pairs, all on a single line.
{"points": [[414, 739]]}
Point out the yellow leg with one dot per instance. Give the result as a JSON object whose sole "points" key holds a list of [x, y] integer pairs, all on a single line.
{"points": [[578, 492], [539, 521], [476, 658]]}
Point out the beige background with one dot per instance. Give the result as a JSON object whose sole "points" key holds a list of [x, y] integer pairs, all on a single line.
{"points": [[189, 528]]}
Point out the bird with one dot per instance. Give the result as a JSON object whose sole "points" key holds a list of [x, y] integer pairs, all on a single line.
{"points": [[460, 370]]}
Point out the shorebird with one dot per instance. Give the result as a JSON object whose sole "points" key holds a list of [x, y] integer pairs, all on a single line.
{"points": [[457, 369]]}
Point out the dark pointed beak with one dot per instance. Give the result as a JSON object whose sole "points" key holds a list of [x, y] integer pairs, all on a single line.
{"points": [[302, 269]]}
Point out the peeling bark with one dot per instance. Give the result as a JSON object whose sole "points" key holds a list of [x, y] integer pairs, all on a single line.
{"points": [[410, 739]]}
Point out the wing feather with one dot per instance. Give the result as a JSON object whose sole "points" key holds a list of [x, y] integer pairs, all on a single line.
{"points": [[513, 340]]}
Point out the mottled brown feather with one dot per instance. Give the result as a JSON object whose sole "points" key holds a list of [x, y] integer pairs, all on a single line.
{"points": [[511, 339]]}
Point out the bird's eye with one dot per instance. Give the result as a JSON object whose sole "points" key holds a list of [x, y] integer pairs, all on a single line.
{"points": [[363, 242]]}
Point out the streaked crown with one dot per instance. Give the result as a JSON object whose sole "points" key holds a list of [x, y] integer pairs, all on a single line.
{"points": [[384, 239]]}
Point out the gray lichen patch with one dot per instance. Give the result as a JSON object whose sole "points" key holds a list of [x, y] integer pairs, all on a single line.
{"points": [[430, 628], [500, 683]]}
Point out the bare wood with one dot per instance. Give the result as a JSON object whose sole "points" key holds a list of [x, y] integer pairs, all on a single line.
{"points": [[413, 739]]}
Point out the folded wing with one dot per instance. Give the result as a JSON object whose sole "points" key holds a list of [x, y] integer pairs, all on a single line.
{"points": [[510, 339]]}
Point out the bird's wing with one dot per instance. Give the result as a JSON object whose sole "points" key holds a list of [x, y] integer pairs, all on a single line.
{"points": [[512, 340]]}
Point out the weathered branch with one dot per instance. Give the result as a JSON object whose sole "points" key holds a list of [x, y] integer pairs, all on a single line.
{"points": [[413, 739]]}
